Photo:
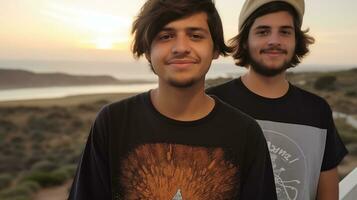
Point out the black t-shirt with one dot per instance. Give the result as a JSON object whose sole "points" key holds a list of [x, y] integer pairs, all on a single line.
{"points": [[135, 152], [300, 132]]}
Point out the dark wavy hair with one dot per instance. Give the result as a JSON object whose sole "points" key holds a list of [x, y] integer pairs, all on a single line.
{"points": [[155, 14], [239, 42]]}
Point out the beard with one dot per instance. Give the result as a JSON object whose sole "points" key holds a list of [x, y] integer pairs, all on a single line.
{"points": [[184, 84], [179, 84], [264, 70]]}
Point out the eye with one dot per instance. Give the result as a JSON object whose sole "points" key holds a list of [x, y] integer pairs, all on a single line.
{"points": [[196, 36], [165, 36], [286, 32], [262, 32]]}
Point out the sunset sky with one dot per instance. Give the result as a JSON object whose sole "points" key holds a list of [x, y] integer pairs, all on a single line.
{"points": [[100, 30]]}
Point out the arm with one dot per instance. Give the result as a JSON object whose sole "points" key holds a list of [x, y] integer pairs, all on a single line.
{"points": [[92, 179], [335, 151], [328, 185]]}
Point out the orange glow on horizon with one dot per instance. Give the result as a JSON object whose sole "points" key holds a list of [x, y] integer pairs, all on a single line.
{"points": [[96, 30]]}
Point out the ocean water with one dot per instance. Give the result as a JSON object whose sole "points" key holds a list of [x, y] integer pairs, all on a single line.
{"points": [[119, 70], [57, 92]]}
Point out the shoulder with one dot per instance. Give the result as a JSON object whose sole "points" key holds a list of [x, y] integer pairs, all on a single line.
{"points": [[310, 99], [221, 88], [234, 117], [117, 108]]}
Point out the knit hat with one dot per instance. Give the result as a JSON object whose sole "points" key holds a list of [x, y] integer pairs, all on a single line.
{"points": [[251, 6]]}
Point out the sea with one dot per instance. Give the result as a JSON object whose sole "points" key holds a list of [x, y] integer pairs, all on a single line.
{"points": [[136, 70]]}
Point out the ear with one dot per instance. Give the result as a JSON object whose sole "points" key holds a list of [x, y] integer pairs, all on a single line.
{"points": [[215, 54], [245, 46]]}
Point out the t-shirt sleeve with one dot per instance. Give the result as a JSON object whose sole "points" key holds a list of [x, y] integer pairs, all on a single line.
{"points": [[335, 150], [258, 182], [92, 177]]}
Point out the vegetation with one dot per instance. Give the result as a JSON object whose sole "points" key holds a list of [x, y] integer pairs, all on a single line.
{"points": [[49, 139], [325, 83]]}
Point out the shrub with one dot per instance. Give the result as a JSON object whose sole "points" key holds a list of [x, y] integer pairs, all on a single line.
{"points": [[353, 70], [32, 159], [62, 174], [44, 165], [18, 192], [17, 140], [87, 107], [352, 148], [37, 136], [7, 126], [351, 93], [58, 114], [2, 137], [325, 83], [5, 180], [33, 186], [11, 163], [101, 102], [346, 132], [42, 124], [77, 124], [66, 171], [18, 197], [45, 179]]}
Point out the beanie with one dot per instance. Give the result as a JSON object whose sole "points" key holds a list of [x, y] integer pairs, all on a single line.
{"points": [[251, 6]]}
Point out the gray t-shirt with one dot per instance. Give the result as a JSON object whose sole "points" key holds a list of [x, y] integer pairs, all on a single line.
{"points": [[300, 133]]}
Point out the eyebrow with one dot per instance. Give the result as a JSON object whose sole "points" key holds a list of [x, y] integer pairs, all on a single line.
{"points": [[268, 27], [190, 29]]}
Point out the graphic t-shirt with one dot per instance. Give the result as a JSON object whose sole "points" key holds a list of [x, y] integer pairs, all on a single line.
{"points": [[135, 152], [300, 134]]}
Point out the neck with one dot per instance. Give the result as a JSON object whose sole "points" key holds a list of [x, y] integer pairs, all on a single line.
{"points": [[270, 87], [183, 104]]}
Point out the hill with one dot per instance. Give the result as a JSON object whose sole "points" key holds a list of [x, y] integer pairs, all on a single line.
{"points": [[12, 79]]}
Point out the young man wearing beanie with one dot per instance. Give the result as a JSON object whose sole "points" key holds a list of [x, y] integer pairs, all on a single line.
{"points": [[304, 145], [175, 142]]}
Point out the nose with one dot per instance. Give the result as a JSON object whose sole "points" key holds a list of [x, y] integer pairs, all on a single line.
{"points": [[274, 39], [181, 45]]}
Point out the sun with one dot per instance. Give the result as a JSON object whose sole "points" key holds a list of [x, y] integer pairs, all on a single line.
{"points": [[103, 43], [97, 30]]}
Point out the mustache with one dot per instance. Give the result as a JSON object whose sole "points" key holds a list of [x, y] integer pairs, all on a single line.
{"points": [[182, 58], [274, 49]]}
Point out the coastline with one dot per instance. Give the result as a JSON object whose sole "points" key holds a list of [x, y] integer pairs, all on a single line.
{"points": [[72, 100]]}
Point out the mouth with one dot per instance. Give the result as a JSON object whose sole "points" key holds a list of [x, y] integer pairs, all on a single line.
{"points": [[182, 63], [274, 52]]}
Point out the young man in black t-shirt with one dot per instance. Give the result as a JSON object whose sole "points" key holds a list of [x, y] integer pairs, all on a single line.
{"points": [[175, 142], [304, 145]]}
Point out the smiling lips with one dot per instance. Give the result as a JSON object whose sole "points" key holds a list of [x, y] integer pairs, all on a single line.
{"points": [[273, 52], [182, 63]]}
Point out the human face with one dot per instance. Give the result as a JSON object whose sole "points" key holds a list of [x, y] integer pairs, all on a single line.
{"points": [[182, 52], [271, 43]]}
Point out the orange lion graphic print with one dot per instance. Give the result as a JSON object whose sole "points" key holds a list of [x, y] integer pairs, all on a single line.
{"points": [[178, 172]]}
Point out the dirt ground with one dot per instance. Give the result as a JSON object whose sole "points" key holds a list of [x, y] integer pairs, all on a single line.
{"points": [[54, 193]]}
